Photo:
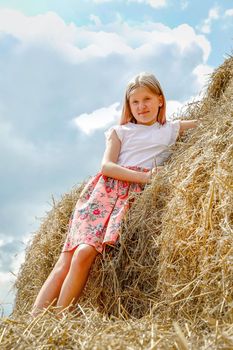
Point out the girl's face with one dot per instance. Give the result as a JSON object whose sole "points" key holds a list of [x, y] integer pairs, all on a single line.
{"points": [[144, 105]]}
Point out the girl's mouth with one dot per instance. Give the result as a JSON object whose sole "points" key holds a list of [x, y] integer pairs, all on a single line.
{"points": [[143, 113]]}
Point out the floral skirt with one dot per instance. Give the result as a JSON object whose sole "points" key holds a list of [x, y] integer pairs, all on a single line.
{"points": [[97, 217]]}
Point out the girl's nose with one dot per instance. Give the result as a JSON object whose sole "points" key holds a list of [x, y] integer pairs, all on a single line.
{"points": [[141, 105]]}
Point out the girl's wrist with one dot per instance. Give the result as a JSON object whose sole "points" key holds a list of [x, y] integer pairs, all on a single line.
{"points": [[147, 176]]}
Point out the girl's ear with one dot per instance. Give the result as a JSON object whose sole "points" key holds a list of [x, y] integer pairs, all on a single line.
{"points": [[162, 110], [160, 100]]}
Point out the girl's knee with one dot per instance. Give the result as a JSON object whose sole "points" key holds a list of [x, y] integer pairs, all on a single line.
{"points": [[63, 264], [84, 255]]}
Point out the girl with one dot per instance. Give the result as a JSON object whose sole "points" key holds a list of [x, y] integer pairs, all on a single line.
{"points": [[142, 138]]}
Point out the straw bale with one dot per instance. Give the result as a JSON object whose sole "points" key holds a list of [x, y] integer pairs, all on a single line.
{"points": [[168, 283]]}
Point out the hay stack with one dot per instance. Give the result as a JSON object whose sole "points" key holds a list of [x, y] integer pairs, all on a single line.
{"points": [[173, 268]]}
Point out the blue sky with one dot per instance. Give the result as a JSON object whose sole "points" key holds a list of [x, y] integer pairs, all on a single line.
{"points": [[63, 70]]}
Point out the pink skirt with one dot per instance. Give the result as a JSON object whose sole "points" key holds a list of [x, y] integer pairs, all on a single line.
{"points": [[97, 217]]}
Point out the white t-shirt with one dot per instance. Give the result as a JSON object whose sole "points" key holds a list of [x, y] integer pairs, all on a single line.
{"points": [[145, 145]]}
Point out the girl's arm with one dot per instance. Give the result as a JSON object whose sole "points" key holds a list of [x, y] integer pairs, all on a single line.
{"points": [[187, 124], [111, 169]]}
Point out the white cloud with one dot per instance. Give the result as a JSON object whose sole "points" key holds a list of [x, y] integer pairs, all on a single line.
{"points": [[6, 293], [97, 119], [18, 261], [5, 239], [5, 277], [95, 19], [48, 30], [152, 3], [101, 1], [172, 107], [229, 12], [157, 3], [80, 43], [184, 4], [213, 15], [48, 26], [203, 73], [17, 145], [156, 37]]}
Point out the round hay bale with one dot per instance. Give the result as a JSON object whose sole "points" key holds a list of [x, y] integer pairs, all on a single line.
{"points": [[175, 257]]}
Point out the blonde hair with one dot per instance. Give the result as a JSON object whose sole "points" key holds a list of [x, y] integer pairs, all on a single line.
{"points": [[143, 80]]}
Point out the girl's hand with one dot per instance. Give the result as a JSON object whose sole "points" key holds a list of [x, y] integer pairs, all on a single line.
{"points": [[153, 172], [157, 169], [188, 124]]}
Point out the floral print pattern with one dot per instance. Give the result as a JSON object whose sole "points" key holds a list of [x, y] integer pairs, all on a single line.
{"points": [[97, 216]]}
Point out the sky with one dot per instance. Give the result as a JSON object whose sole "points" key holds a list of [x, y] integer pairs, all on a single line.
{"points": [[64, 66]]}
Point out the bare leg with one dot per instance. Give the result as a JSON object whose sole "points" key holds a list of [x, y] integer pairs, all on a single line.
{"points": [[77, 276], [52, 286]]}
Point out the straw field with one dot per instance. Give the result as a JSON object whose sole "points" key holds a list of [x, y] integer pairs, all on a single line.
{"points": [[168, 284]]}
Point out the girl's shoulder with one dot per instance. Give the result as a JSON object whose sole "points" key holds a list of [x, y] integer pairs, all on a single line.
{"points": [[119, 129], [172, 130], [171, 122]]}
